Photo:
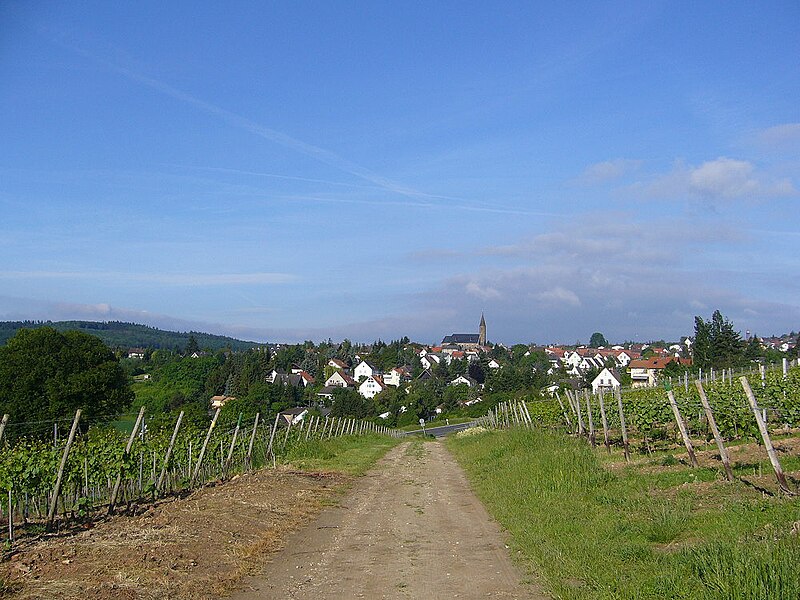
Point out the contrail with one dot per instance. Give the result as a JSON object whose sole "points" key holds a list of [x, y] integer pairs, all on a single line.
{"points": [[320, 154]]}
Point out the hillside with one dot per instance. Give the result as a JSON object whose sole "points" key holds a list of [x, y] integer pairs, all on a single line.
{"points": [[117, 334]]}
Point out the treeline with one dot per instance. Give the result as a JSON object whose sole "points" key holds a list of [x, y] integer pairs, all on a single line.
{"points": [[121, 335]]}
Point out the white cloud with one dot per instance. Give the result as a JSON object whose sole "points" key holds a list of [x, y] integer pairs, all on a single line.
{"points": [[558, 297], [723, 177], [608, 170], [483, 292], [720, 179], [783, 135]]}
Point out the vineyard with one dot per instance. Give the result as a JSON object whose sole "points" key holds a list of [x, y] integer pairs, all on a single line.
{"points": [[47, 484]]}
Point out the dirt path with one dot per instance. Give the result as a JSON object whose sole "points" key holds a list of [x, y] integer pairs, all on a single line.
{"points": [[411, 528]]}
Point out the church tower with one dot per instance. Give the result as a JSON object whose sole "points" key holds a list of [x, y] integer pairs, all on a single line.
{"points": [[482, 332]]}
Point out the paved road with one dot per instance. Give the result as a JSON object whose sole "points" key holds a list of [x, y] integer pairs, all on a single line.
{"points": [[443, 430], [411, 528]]}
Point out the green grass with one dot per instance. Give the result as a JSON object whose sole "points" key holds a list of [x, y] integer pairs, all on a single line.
{"points": [[641, 532], [353, 455]]}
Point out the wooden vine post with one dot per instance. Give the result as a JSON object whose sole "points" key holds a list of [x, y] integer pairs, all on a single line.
{"points": [[723, 452], [272, 436], [622, 427], [118, 482], [605, 422], [249, 456], [233, 445], [169, 453], [581, 429], [590, 418], [205, 446], [682, 427], [762, 427], [564, 410], [3, 424], [60, 477]]}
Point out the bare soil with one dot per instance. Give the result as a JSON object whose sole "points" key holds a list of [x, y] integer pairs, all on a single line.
{"points": [[411, 528], [195, 547]]}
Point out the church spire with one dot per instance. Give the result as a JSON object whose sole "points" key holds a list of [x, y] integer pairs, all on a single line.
{"points": [[482, 332]]}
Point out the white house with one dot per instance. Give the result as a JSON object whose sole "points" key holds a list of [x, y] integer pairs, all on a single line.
{"points": [[340, 379], [364, 370], [463, 380], [608, 379], [395, 377], [429, 361], [493, 364], [371, 387], [337, 364]]}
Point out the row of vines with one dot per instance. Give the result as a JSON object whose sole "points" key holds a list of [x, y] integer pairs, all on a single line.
{"points": [[157, 463], [649, 417]]}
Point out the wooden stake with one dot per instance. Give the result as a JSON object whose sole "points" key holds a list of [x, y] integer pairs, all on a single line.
{"points": [[249, 456], [118, 482], [592, 439], [605, 422], [762, 427], [3, 424], [723, 453], [272, 437], [233, 443], [564, 410], [581, 429], [682, 427], [59, 478], [169, 453], [618, 394], [205, 445]]}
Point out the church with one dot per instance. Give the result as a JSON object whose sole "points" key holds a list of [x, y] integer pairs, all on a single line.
{"points": [[468, 341]]}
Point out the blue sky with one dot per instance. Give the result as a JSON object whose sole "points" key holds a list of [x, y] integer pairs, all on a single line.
{"points": [[304, 170]]}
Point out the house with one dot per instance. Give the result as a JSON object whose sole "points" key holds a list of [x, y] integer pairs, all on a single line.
{"points": [[364, 370], [371, 386], [326, 393], [464, 380], [396, 376], [293, 416], [606, 380], [136, 353], [645, 372], [219, 401], [337, 364], [340, 379], [306, 378], [493, 364], [430, 360], [288, 379]]}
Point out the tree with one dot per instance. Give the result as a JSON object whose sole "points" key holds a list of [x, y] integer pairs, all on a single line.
{"points": [[598, 340], [701, 348], [47, 375], [191, 346], [716, 343]]}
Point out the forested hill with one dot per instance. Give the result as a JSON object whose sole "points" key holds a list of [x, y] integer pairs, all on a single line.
{"points": [[117, 334]]}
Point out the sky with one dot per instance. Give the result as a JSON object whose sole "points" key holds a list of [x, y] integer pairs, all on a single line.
{"points": [[283, 171]]}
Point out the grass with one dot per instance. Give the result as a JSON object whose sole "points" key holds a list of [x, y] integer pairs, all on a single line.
{"points": [[353, 455], [641, 532]]}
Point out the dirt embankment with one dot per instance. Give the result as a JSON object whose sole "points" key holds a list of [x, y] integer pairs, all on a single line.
{"points": [[195, 547]]}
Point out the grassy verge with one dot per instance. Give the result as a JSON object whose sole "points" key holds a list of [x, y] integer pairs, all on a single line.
{"points": [[353, 455], [637, 533]]}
